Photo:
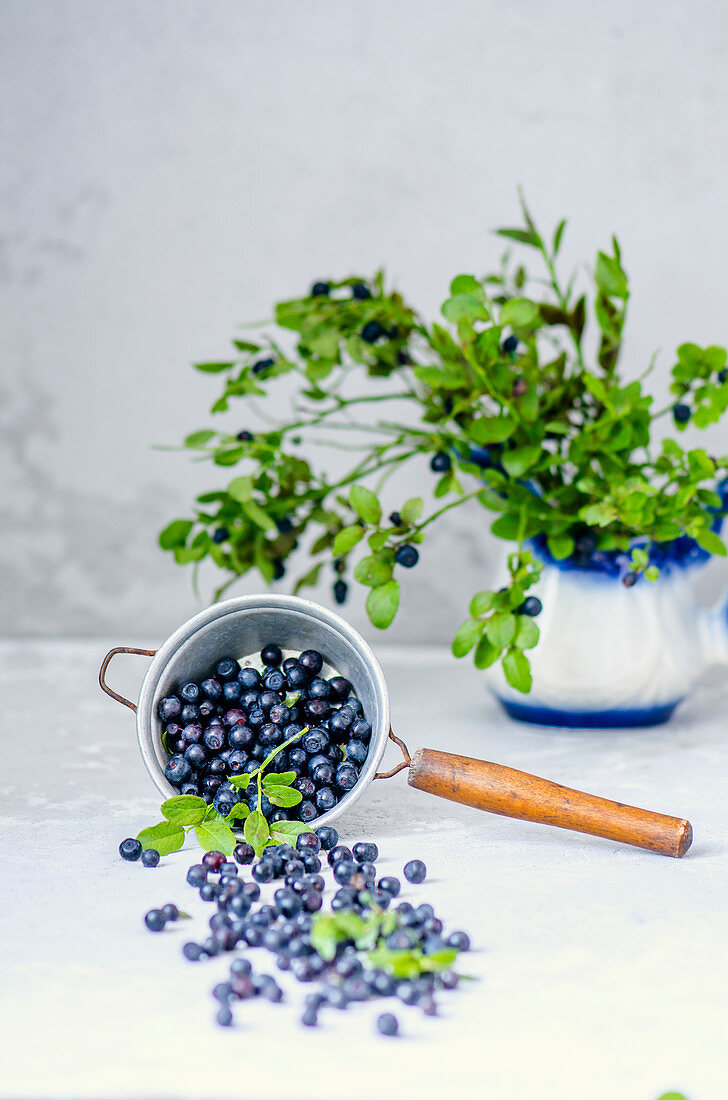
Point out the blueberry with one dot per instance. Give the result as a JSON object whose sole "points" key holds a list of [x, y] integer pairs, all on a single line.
{"points": [[325, 799], [320, 290], [395, 519], [459, 940], [510, 344], [365, 852], [361, 292], [297, 676], [244, 436], [270, 734], [630, 579], [356, 989], [407, 555], [171, 912], [243, 853], [213, 738], [195, 755], [328, 836], [440, 462], [448, 979], [197, 874], [226, 669], [389, 885], [387, 1024], [170, 708], [307, 811], [240, 738], [150, 857], [340, 723], [346, 776], [192, 733], [372, 331], [271, 654], [356, 751], [531, 606], [263, 872], [319, 689], [177, 771], [190, 713], [190, 788], [343, 871], [233, 717], [722, 375], [154, 920], [361, 730], [220, 534], [682, 413], [192, 951], [341, 591], [190, 692], [312, 661], [130, 849], [415, 871], [231, 691], [340, 688], [340, 851], [274, 680], [224, 1016]]}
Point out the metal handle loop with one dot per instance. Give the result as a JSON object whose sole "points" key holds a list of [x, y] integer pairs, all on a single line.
{"points": [[105, 664], [403, 764]]}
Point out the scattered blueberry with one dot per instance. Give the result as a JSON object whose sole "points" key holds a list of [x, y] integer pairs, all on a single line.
{"points": [[220, 534], [387, 1024], [372, 331], [320, 290], [361, 292], [395, 519], [682, 413], [130, 849], [341, 590], [154, 920], [531, 606], [510, 344], [150, 857], [415, 871]]}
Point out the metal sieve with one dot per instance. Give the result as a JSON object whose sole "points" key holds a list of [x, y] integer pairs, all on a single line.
{"points": [[240, 627]]}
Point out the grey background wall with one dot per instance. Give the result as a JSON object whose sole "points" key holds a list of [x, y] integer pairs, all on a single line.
{"points": [[170, 167]]}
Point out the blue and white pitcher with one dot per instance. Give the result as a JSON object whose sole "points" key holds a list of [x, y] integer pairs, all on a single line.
{"points": [[611, 656]]}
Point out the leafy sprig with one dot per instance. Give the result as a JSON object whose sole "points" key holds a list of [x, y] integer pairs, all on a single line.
{"points": [[186, 812], [329, 931], [519, 395]]}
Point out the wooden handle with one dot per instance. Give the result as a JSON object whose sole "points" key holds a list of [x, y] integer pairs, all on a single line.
{"points": [[505, 791]]}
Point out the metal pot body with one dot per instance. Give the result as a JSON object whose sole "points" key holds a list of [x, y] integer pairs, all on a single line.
{"points": [[239, 628]]}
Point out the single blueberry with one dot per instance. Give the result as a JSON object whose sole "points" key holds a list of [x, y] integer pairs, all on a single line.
{"points": [[531, 606], [171, 912], [407, 555], [372, 331], [340, 688], [170, 708], [130, 849], [244, 436], [262, 366], [440, 462], [415, 871], [192, 951], [320, 290], [213, 738], [190, 692], [356, 751], [341, 591], [226, 669], [307, 811], [365, 852], [150, 857], [682, 413], [325, 799], [271, 654], [328, 836], [224, 1016], [387, 1024], [630, 579], [361, 292], [178, 771], [312, 661], [220, 534], [459, 940], [346, 776], [154, 920], [510, 344]]}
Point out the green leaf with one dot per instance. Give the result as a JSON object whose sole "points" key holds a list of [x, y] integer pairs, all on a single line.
{"points": [[257, 831], [481, 603], [215, 835], [199, 439], [382, 603], [557, 237], [610, 277], [166, 837], [241, 488], [485, 653], [467, 635], [491, 430], [465, 307], [521, 459], [527, 632], [175, 533], [372, 571], [506, 527], [652, 573], [347, 539], [711, 542], [184, 809], [365, 504], [213, 368], [519, 312], [260, 518], [283, 796], [561, 546], [309, 579], [238, 813], [288, 829], [466, 284], [279, 779], [240, 782], [517, 670], [411, 510], [523, 236], [500, 629]]}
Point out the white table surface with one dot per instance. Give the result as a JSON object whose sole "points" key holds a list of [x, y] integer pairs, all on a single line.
{"points": [[603, 969]]}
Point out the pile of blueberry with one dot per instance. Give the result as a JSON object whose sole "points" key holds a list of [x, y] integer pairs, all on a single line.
{"points": [[283, 927], [232, 720]]}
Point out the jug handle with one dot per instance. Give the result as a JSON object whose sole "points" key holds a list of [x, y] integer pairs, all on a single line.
{"points": [[107, 661]]}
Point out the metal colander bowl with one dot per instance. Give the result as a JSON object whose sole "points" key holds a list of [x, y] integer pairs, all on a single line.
{"points": [[240, 628]]}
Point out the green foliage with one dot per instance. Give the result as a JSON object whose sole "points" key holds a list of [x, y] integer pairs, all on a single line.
{"points": [[572, 446]]}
